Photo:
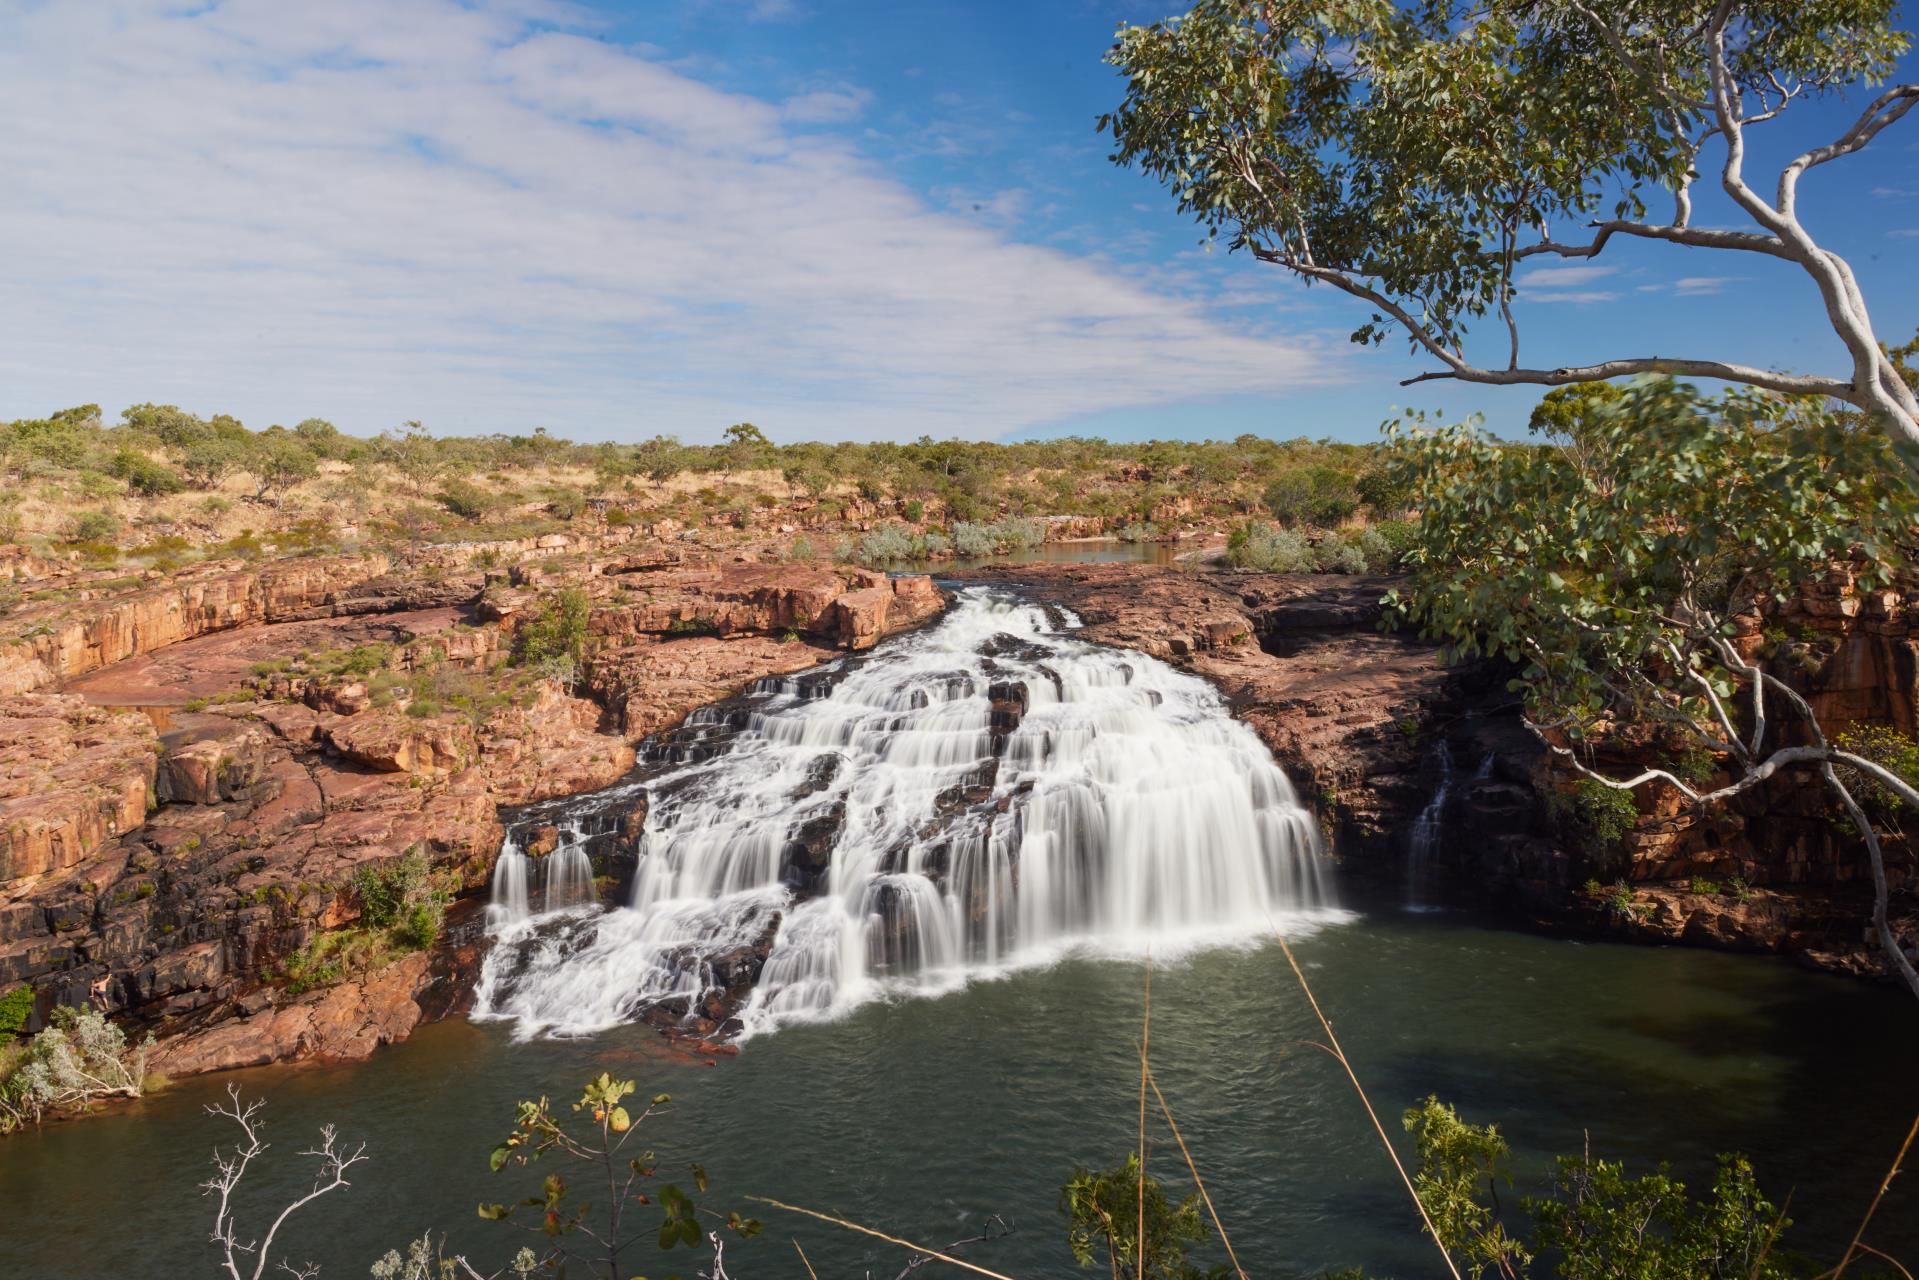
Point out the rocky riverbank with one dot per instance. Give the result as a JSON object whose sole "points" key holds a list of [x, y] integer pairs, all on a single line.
{"points": [[192, 775]]}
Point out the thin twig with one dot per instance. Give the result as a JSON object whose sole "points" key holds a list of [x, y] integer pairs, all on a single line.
{"points": [[1884, 1186], [1772, 1234], [878, 1235], [1897, 1265], [1340, 1054], [1197, 1180], [809, 1266]]}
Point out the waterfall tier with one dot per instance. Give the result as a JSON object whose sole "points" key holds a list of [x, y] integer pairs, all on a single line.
{"points": [[988, 792]]}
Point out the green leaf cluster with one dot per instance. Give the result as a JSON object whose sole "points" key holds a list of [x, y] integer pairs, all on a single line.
{"points": [[1102, 1209], [1607, 563]]}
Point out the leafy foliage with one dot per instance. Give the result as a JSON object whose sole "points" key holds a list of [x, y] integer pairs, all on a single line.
{"points": [[555, 633], [1594, 818], [1604, 1225], [1102, 1210], [16, 1007], [404, 898], [1455, 1158], [1673, 514], [77, 1060], [1405, 151], [1889, 748], [563, 1219]]}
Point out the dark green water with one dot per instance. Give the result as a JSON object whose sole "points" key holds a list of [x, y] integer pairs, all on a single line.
{"points": [[923, 1115]]}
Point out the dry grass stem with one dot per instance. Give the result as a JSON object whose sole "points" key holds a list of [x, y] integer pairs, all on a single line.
{"points": [[1197, 1180], [1145, 1040], [878, 1235], [805, 1261], [1339, 1054], [1897, 1265]]}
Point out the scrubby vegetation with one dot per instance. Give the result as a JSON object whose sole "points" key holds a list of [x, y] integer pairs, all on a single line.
{"points": [[162, 486], [402, 909], [77, 1060]]}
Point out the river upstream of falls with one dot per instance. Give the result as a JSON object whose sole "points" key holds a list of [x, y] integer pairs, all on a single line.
{"points": [[925, 884]]}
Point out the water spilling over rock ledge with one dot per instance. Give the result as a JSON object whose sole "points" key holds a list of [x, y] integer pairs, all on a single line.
{"points": [[987, 793]]}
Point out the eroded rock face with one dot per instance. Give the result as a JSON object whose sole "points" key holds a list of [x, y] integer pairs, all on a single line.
{"points": [[72, 778], [60, 641], [167, 875]]}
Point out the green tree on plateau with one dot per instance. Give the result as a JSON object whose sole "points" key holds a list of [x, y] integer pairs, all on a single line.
{"points": [[1416, 156]]}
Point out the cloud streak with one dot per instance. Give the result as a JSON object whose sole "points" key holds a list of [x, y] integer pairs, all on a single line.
{"points": [[484, 217]]}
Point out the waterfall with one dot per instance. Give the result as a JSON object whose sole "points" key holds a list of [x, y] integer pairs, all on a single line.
{"points": [[568, 874], [1422, 841], [988, 792], [509, 904]]}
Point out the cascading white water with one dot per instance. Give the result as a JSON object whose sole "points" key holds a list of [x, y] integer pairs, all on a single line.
{"points": [[567, 873], [509, 905], [988, 792]]}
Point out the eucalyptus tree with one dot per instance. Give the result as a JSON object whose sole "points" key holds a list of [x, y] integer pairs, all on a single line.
{"points": [[1418, 155], [1631, 575]]}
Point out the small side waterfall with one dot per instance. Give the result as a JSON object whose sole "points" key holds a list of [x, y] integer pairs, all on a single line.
{"points": [[985, 793], [1423, 837], [509, 905], [568, 875]]}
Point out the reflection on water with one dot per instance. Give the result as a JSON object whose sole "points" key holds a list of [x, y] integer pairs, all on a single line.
{"points": [[920, 1115]]}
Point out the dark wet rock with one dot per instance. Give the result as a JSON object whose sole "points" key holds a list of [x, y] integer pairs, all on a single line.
{"points": [[809, 846]]}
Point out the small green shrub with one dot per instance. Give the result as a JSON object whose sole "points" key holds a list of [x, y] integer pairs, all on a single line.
{"points": [[143, 475], [16, 1007], [1594, 818], [555, 631], [467, 500], [385, 892], [95, 526], [1270, 549]]}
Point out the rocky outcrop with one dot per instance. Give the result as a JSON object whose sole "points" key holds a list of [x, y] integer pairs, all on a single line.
{"points": [[57, 641], [166, 874], [345, 1022], [72, 778], [843, 607]]}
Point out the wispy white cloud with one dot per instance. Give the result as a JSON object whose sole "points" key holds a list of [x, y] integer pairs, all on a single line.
{"points": [[1553, 277], [479, 215], [827, 106], [1700, 286], [1901, 233], [1573, 295]]}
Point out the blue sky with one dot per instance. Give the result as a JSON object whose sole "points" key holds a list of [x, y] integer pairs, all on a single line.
{"points": [[835, 219]]}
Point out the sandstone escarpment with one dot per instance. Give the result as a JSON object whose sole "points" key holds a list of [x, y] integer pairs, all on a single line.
{"points": [[57, 641]]}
